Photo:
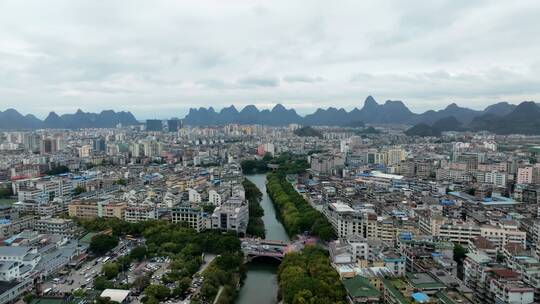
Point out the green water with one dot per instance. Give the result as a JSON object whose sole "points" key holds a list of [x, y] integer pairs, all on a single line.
{"points": [[260, 285]]}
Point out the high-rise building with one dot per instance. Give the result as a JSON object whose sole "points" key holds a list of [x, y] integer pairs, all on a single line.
{"points": [[99, 144], [31, 142], [152, 148], [154, 125], [85, 151], [135, 150], [174, 125], [48, 145]]}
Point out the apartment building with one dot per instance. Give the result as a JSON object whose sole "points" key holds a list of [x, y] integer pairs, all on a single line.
{"points": [[93, 208], [504, 232], [458, 231], [192, 215], [218, 195], [345, 220], [43, 189], [65, 227], [196, 194], [474, 266], [231, 215], [139, 213]]}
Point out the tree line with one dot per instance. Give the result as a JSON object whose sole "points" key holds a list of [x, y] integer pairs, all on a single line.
{"points": [[253, 195], [296, 215]]}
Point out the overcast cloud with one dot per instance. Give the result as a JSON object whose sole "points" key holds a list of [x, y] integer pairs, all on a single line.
{"points": [[156, 58]]}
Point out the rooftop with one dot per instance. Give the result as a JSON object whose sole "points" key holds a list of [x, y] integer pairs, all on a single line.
{"points": [[360, 287], [116, 295]]}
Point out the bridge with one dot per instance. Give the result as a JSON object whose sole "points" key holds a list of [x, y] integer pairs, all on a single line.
{"points": [[254, 248]]}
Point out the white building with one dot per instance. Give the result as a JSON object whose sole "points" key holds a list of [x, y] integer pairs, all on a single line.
{"points": [[10, 270], [231, 215], [194, 196], [139, 213], [218, 195], [345, 220], [22, 254], [56, 226]]}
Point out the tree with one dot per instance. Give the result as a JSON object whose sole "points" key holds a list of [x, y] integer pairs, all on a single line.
{"points": [[182, 286], [209, 291], [110, 270], [159, 292], [79, 293], [28, 297], [103, 300], [121, 182], [227, 295], [141, 282], [308, 277], [6, 192], [102, 243], [459, 253], [267, 157], [138, 253], [101, 283], [79, 190], [150, 300]]}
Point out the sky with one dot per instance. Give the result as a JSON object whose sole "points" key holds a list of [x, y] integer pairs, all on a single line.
{"points": [[159, 58]]}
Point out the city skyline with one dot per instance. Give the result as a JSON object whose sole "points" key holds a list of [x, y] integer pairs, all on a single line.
{"points": [[172, 56]]}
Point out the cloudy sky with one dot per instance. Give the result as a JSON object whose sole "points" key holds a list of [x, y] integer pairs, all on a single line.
{"points": [[158, 58]]}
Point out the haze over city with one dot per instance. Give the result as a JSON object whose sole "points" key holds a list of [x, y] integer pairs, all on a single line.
{"points": [[159, 58]]}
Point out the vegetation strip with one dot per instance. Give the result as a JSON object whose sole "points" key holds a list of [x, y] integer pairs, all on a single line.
{"points": [[308, 277], [253, 195], [296, 215]]}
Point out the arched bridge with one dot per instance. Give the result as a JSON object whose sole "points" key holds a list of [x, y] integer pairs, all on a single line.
{"points": [[254, 248]]}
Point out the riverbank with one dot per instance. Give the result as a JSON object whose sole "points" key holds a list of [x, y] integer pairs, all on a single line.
{"points": [[255, 226], [260, 285], [295, 213]]}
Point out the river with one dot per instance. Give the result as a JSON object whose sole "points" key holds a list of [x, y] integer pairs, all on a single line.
{"points": [[260, 285]]}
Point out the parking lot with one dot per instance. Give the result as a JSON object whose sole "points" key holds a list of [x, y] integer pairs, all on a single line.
{"points": [[84, 276]]}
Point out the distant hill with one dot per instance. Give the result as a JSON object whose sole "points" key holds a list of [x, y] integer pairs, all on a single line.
{"points": [[495, 118], [10, 119], [248, 115], [463, 115], [500, 109], [389, 112], [308, 132], [423, 130], [523, 119], [449, 123], [368, 130]]}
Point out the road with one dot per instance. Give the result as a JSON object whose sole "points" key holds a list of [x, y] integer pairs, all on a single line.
{"points": [[83, 277], [208, 258]]}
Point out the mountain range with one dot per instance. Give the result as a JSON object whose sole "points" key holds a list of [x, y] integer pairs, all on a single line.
{"points": [[10, 119], [502, 118], [394, 112]]}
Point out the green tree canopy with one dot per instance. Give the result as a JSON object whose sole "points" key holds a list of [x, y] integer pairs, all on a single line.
{"points": [[102, 243]]}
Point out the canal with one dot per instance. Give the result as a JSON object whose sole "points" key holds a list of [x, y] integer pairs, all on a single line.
{"points": [[260, 285]]}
